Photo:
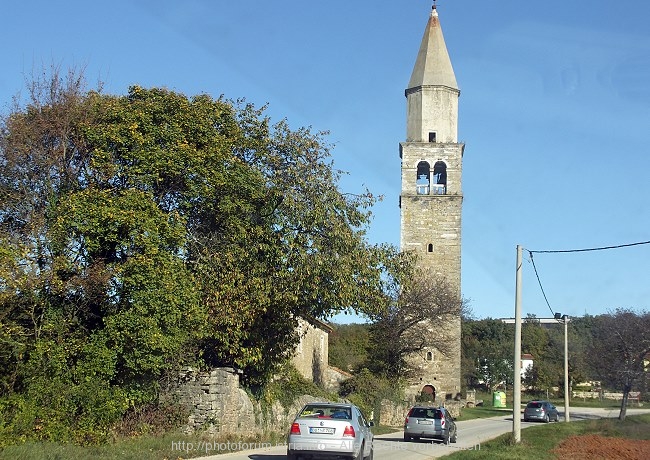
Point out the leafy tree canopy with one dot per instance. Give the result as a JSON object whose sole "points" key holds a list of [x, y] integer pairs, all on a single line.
{"points": [[620, 349], [152, 230], [421, 310]]}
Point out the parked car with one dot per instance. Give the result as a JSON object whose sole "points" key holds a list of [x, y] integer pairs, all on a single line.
{"points": [[430, 422], [542, 411], [330, 430]]}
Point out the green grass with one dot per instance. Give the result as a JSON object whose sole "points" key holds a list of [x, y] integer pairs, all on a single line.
{"points": [[381, 429], [486, 410], [141, 448], [470, 413], [537, 442]]}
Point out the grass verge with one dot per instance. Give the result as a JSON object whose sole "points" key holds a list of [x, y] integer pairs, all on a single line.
{"points": [[538, 441], [172, 446]]}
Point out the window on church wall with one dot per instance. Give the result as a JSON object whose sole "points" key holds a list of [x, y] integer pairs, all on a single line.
{"points": [[429, 356], [439, 187], [432, 137], [430, 248], [423, 180]]}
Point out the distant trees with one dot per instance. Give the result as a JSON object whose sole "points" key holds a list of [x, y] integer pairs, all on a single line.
{"points": [[487, 351], [545, 342], [349, 345], [621, 343], [143, 232]]}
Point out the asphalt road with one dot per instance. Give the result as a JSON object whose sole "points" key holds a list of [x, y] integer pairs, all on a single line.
{"points": [[471, 434]]}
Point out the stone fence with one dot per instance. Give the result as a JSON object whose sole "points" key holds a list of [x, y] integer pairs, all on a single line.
{"points": [[218, 405], [393, 413]]}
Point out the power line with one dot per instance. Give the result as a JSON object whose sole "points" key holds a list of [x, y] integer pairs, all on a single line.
{"points": [[590, 249], [539, 281]]}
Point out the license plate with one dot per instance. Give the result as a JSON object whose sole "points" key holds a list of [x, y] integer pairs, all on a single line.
{"points": [[321, 430], [425, 422]]}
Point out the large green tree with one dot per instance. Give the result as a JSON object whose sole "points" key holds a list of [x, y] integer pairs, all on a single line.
{"points": [[422, 307], [144, 232], [621, 344]]}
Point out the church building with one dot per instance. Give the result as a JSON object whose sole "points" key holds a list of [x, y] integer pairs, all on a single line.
{"points": [[431, 198]]}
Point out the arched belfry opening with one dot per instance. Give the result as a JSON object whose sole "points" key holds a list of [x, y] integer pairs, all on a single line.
{"points": [[440, 178], [423, 179]]}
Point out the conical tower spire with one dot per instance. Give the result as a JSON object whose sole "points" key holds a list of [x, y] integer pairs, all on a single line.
{"points": [[432, 93], [433, 66]]}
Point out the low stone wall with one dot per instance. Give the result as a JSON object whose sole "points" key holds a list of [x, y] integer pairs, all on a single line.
{"points": [[333, 377], [215, 401], [393, 413], [218, 405]]}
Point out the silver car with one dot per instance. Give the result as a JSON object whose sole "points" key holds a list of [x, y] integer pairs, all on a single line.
{"points": [[330, 430], [430, 422], [542, 411]]}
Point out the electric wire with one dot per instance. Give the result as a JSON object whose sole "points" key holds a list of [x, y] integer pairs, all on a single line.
{"points": [[564, 251], [539, 281], [590, 249]]}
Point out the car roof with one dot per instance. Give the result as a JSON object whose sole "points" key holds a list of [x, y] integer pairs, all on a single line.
{"points": [[329, 403]]}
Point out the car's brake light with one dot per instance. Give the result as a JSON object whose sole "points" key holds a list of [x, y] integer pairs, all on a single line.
{"points": [[442, 421], [349, 431], [295, 428], [406, 420]]}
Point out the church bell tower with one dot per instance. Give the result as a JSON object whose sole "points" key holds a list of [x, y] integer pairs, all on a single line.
{"points": [[431, 195]]}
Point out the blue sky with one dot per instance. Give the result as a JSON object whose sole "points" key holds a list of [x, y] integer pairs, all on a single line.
{"points": [[554, 112]]}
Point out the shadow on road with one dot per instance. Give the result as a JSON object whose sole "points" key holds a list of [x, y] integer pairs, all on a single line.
{"points": [[266, 456], [393, 439], [581, 416]]}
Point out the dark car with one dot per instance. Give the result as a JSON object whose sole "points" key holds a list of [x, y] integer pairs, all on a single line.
{"points": [[541, 411], [430, 422]]}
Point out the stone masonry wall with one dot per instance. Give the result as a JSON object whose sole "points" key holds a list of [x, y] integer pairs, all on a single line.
{"points": [[393, 414], [218, 405], [311, 356], [431, 227]]}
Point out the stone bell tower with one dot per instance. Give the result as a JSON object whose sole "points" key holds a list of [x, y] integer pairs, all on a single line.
{"points": [[431, 196]]}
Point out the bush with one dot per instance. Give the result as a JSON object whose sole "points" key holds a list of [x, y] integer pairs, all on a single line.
{"points": [[287, 386], [367, 390], [61, 411], [154, 419]]}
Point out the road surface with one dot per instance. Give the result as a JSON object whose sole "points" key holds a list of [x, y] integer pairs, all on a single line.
{"points": [[471, 434]]}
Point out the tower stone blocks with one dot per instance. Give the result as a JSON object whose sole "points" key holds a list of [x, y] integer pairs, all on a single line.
{"points": [[431, 202]]}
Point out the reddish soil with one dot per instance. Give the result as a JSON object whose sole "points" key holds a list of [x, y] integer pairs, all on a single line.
{"points": [[595, 447]]}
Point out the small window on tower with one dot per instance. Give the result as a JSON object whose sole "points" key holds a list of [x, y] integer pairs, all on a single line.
{"points": [[429, 356], [432, 137], [430, 248]]}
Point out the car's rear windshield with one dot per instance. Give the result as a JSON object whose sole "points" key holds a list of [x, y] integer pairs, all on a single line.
{"points": [[424, 412], [321, 411], [535, 405]]}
